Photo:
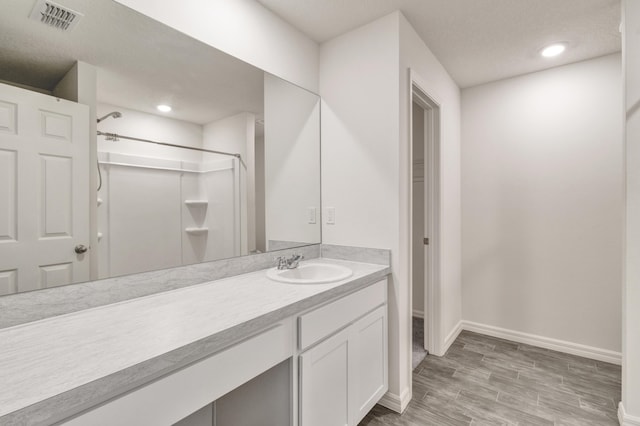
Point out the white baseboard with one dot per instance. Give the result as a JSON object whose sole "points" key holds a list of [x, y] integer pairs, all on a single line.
{"points": [[545, 342], [396, 403], [452, 336], [625, 419], [418, 314]]}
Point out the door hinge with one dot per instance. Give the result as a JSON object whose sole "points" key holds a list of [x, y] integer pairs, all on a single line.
{"points": [[425, 241]]}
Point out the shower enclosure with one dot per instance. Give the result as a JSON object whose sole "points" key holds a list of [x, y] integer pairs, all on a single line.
{"points": [[163, 204]]}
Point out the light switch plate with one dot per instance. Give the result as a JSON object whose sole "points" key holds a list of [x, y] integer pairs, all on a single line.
{"points": [[311, 214], [331, 215]]}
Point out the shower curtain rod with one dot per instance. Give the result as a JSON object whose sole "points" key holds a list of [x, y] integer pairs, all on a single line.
{"points": [[116, 136]]}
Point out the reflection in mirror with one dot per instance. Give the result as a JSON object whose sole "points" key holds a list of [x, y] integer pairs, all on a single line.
{"points": [[236, 170]]}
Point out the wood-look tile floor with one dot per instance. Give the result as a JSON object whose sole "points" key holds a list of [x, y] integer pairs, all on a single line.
{"points": [[487, 381]]}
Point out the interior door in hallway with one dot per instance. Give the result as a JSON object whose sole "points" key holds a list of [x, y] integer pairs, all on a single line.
{"points": [[44, 191]]}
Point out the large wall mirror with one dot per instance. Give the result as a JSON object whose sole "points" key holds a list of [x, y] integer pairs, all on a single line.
{"points": [[110, 185]]}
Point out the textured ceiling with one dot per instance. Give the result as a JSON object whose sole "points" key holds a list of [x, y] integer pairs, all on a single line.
{"points": [[477, 41], [141, 63]]}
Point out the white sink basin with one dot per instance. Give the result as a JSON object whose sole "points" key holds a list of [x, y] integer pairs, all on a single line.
{"points": [[310, 273]]}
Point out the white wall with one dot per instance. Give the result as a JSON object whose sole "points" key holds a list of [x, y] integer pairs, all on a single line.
{"points": [[542, 203], [439, 85], [236, 135], [149, 126], [366, 170], [631, 294], [360, 129], [291, 162], [244, 29]]}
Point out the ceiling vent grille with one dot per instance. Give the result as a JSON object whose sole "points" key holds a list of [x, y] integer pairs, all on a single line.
{"points": [[55, 15]]}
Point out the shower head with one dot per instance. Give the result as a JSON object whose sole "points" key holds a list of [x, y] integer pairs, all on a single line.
{"points": [[114, 114]]}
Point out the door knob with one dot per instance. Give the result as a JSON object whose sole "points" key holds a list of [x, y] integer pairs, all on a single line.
{"points": [[81, 249]]}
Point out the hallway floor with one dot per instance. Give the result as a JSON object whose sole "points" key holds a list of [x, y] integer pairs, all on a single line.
{"points": [[418, 352], [489, 381]]}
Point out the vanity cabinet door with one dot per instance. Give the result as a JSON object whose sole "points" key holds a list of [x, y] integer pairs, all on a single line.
{"points": [[368, 360], [324, 384], [342, 378]]}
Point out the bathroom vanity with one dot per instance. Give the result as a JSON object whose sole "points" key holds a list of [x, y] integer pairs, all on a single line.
{"points": [[156, 360], [170, 318]]}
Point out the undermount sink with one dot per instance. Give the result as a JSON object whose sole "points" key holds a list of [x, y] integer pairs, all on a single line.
{"points": [[310, 273]]}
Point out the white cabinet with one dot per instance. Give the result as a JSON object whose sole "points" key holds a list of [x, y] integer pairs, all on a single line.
{"points": [[369, 361], [345, 375], [324, 383]]}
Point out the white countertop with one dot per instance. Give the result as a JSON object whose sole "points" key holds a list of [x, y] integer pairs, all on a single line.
{"points": [[51, 357]]}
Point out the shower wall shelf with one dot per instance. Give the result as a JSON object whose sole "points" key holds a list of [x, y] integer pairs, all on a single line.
{"points": [[196, 231], [197, 203]]}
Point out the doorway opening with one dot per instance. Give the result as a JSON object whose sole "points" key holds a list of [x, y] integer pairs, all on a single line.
{"points": [[425, 224]]}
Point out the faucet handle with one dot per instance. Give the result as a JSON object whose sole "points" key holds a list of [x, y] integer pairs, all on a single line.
{"points": [[281, 262], [293, 262]]}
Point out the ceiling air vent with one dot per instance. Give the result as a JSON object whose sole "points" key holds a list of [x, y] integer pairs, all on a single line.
{"points": [[54, 15]]}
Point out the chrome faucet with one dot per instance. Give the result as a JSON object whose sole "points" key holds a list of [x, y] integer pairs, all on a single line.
{"points": [[289, 263]]}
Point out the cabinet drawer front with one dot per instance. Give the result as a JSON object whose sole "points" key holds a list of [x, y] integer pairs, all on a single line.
{"points": [[324, 321]]}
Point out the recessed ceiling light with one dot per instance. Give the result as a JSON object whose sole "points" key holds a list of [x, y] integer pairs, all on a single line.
{"points": [[553, 50], [164, 108]]}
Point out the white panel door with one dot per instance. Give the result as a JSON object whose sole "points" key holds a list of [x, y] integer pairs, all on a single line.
{"points": [[44, 190], [324, 383]]}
